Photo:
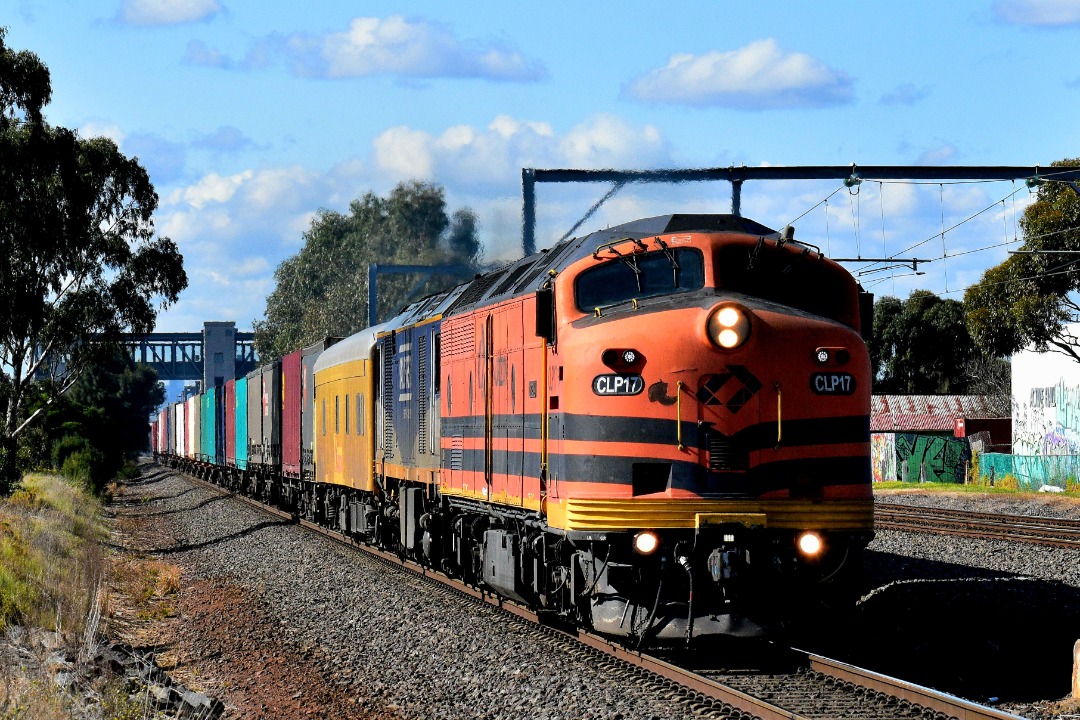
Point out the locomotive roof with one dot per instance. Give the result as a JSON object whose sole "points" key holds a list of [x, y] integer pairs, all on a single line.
{"points": [[525, 275], [355, 346]]}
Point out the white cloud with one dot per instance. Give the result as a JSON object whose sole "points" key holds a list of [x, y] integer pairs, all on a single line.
{"points": [[394, 46], [606, 141], [404, 153], [167, 12], [759, 76], [475, 158], [199, 53], [906, 94], [1047, 13], [213, 188], [940, 155], [102, 129]]}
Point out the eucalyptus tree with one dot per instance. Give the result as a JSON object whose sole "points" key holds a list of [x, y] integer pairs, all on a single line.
{"points": [[1030, 299], [79, 260], [920, 345], [322, 290]]}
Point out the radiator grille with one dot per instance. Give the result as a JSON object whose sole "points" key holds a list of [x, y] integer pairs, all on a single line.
{"points": [[388, 395], [725, 455], [457, 451], [422, 393], [459, 338]]}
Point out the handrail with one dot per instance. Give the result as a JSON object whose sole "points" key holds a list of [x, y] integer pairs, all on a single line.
{"points": [[678, 408], [779, 416]]}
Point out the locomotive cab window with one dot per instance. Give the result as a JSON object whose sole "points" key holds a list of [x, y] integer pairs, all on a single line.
{"points": [[800, 281], [640, 275]]}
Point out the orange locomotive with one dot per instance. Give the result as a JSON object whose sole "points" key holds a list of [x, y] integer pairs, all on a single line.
{"points": [[660, 430]]}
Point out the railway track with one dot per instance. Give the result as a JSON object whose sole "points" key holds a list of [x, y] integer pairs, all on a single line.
{"points": [[787, 684], [1056, 532]]}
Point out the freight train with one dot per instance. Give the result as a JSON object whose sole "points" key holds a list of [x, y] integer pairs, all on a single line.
{"points": [[659, 431]]}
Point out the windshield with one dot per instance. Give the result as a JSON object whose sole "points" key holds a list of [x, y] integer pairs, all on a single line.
{"points": [[640, 275], [796, 280]]}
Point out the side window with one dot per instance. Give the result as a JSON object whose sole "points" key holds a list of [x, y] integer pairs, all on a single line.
{"points": [[346, 414], [337, 407]]}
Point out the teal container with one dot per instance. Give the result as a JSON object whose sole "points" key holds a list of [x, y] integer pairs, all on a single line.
{"points": [[208, 425], [241, 423]]}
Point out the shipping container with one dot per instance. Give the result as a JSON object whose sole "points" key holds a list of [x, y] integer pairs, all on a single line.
{"points": [[254, 419], [271, 415], [181, 429], [240, 414], [162, 439], [212, 440], [292, 404], [309, 357], [194, 428], [167, 433], [206, 425], [228, 423]]}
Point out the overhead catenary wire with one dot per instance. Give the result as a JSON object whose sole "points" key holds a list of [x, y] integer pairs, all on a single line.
{"points": [[944, 249], [855, 205], [818, 204], [884, 249], [1012, 280], [953, 227], [1008, 198]]}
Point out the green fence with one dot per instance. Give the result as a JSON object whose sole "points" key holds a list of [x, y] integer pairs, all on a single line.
{"points": [[1031, 471]]}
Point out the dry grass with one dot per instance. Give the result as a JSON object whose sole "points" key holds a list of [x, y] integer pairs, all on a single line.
{"points": [[145, 588], [51, 559], [52, 569]]}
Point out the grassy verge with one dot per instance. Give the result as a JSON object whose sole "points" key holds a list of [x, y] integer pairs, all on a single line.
{"points": [[53, 596], [958, 488], [51, 559]]}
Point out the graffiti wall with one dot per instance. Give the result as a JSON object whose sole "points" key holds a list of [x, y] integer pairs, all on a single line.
{"points": [[1046, 421], [883, 456], [1046, 404], [908, 457], [1032, 472]]}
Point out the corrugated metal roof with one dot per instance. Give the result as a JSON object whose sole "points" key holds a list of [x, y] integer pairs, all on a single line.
{"points": [[934, 413]]}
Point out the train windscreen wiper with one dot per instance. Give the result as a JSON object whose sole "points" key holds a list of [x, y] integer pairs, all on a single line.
{"points": [[670, 254]]}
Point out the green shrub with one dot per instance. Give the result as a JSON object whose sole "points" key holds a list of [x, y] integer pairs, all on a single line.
{"points": [[130, 471], [66, 446], [86, 467]]}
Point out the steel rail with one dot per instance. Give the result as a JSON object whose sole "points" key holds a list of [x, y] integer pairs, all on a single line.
{"points": [[916, 694], [1056, 532], [732, 702]]}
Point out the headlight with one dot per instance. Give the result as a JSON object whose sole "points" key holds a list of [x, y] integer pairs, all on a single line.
{"points": [[810, 544], [646, 542], [729, 327]]}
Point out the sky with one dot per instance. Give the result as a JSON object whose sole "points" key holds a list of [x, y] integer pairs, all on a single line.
{"points": [[251, 117]]}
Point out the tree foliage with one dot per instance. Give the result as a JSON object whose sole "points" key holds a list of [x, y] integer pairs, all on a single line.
{"points": [[1028, 299], [322, 290], [920, 345], [78, 256], [101, 423]]}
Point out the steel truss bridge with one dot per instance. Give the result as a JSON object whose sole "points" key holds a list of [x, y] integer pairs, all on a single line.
{"points": [[182, 356]]}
